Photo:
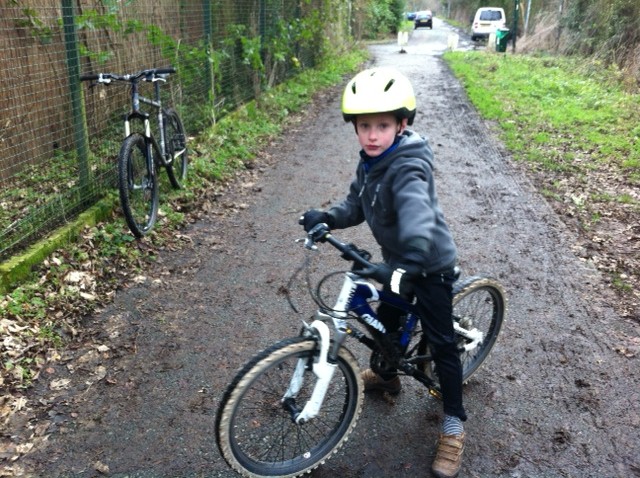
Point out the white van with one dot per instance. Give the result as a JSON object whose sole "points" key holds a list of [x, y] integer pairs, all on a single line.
{"points": [[487, 21]]}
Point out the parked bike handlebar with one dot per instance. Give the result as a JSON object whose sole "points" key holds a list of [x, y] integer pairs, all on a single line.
{"points": [[152, 72]]}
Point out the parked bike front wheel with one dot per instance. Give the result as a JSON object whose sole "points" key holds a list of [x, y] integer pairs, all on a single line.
{"points": [[176, 144], [256, 432], [138, 185]]}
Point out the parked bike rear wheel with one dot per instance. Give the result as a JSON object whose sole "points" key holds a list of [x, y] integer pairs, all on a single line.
{"points": [[176, 145], [478, 303], [256, 433], [138, 185]]}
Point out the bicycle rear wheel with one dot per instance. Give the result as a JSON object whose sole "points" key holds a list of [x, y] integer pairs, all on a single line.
{"points": [[138, 185], [255, 430], [176, 144], [479, 305]]}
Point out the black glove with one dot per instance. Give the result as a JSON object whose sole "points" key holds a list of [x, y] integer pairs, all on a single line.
{"points": [[399, 280], [314, 217]]}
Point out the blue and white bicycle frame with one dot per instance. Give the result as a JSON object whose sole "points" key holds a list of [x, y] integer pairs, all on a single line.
{"points": [[354, 299]]}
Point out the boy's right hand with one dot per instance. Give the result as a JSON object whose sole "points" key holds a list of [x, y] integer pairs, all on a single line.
{"points": [[314, 217], [399, 280]]}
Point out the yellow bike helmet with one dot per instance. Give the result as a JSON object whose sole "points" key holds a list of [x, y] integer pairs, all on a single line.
{"points": [[379, 90]]}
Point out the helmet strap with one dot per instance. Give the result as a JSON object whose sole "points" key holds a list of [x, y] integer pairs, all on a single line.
{"points": [[402, 126]]}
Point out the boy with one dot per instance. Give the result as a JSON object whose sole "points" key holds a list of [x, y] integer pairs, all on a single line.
{"points": [[394, 193]]}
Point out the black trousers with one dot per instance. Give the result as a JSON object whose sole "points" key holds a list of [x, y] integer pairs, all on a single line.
{"points": [[434, 303]]}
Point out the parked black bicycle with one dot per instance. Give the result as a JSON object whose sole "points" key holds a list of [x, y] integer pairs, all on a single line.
{"points": [[141, 153], [295, 403]]}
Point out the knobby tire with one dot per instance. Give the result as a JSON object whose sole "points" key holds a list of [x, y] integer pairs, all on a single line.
{"points": [[138, 185], [258, 437], [176, 141], [478, 302]]}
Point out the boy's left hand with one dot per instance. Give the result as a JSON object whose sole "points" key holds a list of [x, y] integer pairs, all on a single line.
{"points": [[314, 217]]}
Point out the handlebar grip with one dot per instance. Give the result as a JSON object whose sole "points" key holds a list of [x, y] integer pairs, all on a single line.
{"points": [[350, 252], [165, 70], [88, 77]]}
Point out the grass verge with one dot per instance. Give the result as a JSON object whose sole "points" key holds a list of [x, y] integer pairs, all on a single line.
{"points": [[575, 127]]}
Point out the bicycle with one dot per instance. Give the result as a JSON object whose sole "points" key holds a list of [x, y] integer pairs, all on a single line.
{"points": [[141, 154], [295, 403]]}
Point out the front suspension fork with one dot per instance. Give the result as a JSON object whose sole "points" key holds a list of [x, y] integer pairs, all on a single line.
{"points": [[323, 367]]}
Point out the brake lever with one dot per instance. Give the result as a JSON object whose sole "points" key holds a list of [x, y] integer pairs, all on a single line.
{"points": [[102, 79], [308, 243], [316, 234]]}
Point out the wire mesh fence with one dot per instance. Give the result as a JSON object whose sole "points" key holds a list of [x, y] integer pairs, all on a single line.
{"points": [[60, 138]]}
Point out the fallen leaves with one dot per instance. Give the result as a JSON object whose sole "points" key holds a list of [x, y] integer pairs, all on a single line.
{"points": [[10, 404], [59, 384], [603, 208], [629, 349], [39, 318], [101, 467]]}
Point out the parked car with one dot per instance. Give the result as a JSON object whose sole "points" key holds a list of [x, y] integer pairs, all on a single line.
{"points": [[424, 19], [411, 16], [486, 21]]}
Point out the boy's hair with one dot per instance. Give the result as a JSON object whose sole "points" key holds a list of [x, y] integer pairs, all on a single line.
{"points": [[379, 90]]}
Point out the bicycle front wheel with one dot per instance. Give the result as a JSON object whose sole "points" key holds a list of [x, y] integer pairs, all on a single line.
{"points": [[255, 429], [176, 144], [479, 304], [138, 185]]}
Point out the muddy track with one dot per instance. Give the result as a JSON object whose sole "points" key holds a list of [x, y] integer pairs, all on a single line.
{"points": [[554, 399]]}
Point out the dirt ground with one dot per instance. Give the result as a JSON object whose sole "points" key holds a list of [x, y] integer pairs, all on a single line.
{"points": [[556, 398]]}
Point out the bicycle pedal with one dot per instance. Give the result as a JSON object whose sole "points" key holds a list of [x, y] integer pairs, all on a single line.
{"points": [[435, 393]]}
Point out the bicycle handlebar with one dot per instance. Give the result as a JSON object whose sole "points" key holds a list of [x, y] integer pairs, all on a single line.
{"points": [[322, 233], [107, 77]]}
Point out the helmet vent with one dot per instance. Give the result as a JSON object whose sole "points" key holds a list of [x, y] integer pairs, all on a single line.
{"points": [[389, 85]]}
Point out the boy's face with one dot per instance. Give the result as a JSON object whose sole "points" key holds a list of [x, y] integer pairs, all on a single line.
{"points": [[376, 132]]}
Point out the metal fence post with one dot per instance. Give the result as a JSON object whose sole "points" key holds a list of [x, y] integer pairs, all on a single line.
{"points": [[80, 134], [262, 19], [516, 14], [208, 38]]}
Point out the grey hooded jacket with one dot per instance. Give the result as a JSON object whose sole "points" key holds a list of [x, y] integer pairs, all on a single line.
{"points": [[397, 198]]}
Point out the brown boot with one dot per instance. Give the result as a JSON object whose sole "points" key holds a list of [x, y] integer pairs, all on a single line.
{"points": [[373, 381], [448, 456]]}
